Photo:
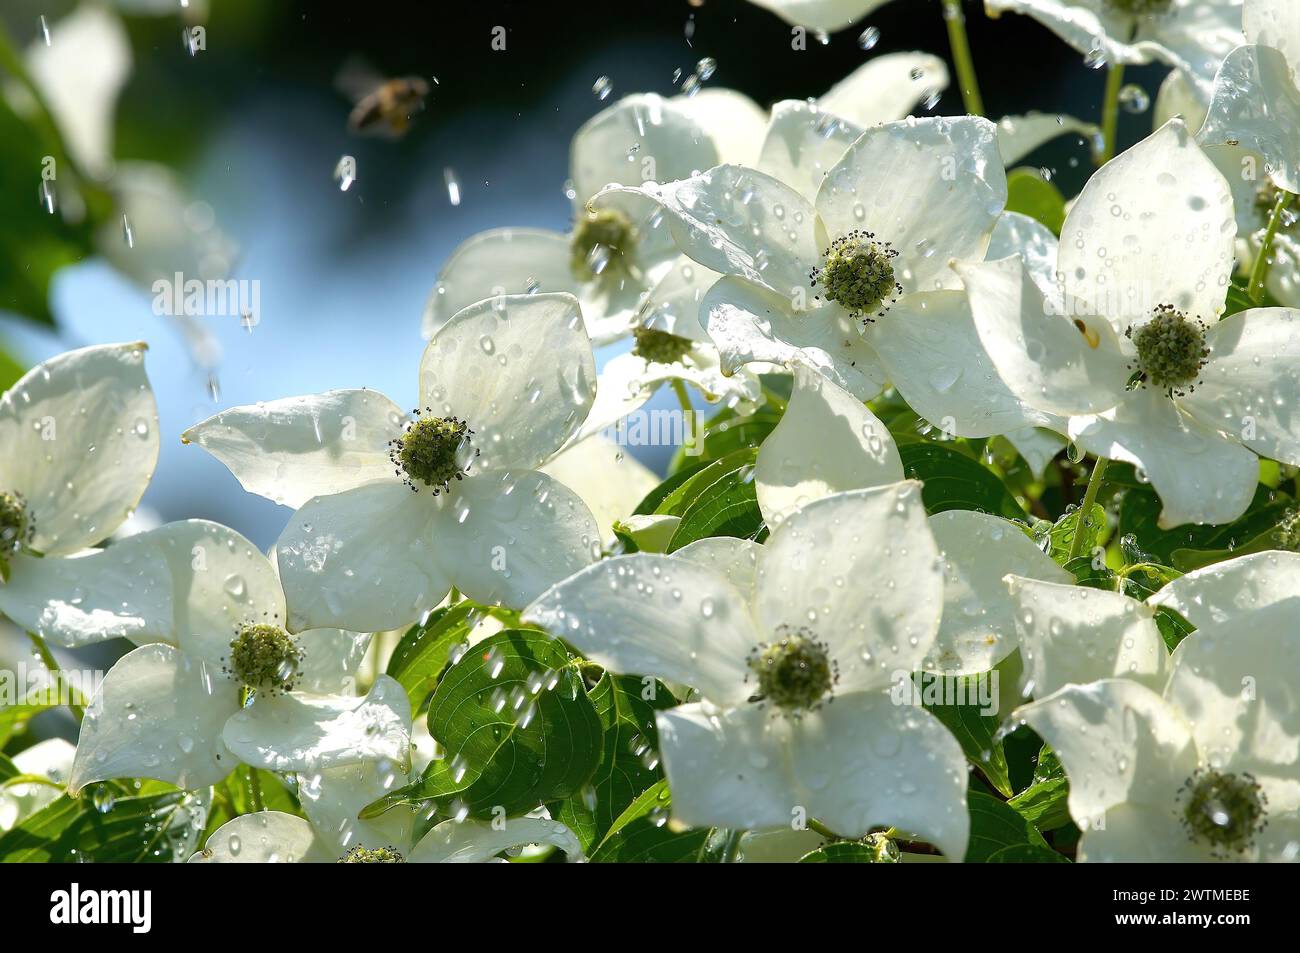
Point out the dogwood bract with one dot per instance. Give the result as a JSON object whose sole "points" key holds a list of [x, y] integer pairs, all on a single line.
{"points": [[393, 512], [792, 655]]}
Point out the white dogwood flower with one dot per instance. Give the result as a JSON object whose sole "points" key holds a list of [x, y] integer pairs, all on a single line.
{"points": [[392, 512], [1193, 35], [1134, 352], [613, 255], [846, 593], [1206, 770], [826, 16], [1256, 101], [80, 438], [829, 442], [174, 709], [873, 249], [333, 833]]}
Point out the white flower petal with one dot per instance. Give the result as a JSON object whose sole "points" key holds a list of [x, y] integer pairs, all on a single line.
{"points": [[121, 592], [1043, 356], [733, 121], [886, 88], [332, 798], [751, 325], [932, 188], [739, 221], [157, 714], [500, 261], [52, 759], [1227, 591], [363, 560], [306, 733], [862, 573], [1020, 135], [609, 479], [1201, 476], [1250, 388], [504, 536], [736, 560], [978, 628], [292, 449], [931, 350], [80, 433], [1038, 446], [1234, 683], [1141, 834], [640, 127], [1086, 25], [866, 762], [1274, 23], [1017, 234], [647, 614], [1256, 103], [1119, 742], [826, 441], [1154, 226], [824, 15], [330, 660], [1071, 633], [803, 142], [266, 837], [673, 305], [519, 370], [474, 842], [621, 390]]}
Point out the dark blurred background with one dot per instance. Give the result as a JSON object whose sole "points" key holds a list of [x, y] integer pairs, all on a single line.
{"points": [[256, 123]]}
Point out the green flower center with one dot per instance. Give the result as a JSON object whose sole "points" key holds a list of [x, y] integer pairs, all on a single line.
{"points": [[433, 451], [1223, 811], [1288, 532], [1170, 350], [16, 526], [794, 674], [602, 240], [372, 855], [265, 659], [858, 274], [1141, 8], [660, 347]]}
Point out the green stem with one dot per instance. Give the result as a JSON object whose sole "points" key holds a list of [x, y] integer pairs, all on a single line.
{"points": [[731, 849], [961, 57], [683, 396], [820, 828], [254, 790], [1259, 273], [1110, 112], [1089, 498], [52, 666]]}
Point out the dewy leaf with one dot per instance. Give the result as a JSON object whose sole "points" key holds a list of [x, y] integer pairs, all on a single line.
{"points": [[726, 433], [517, 727], [626, 705], [1063, 531], [726, 507], [853, 852], [425, 649], [1030, 194], [683, 495], [1140, 510], [158, 828], [1044, 803], [643, 833], [953, 481], [974, 730], [994, 825]]}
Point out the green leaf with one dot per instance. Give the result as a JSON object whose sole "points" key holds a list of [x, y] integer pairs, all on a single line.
{"points": [[852, 852], [1063, 531], [726, 433], [726, 507], [1030, 194], [643, 834], [14, 718], [994, 825], [7, 768], [517, 727], [975, 731], [652, 500], [630, 763], [1140, 511], [679, 499], [157, 828], [1027, 854], [1044, 802], [953, 481], [423, 653]]}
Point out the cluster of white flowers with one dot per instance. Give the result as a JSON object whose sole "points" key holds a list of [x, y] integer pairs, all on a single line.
{"points": [[724, 663]]}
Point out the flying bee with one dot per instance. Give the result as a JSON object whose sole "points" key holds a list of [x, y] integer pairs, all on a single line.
{"points": [[388, 110], [383, 106]]}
